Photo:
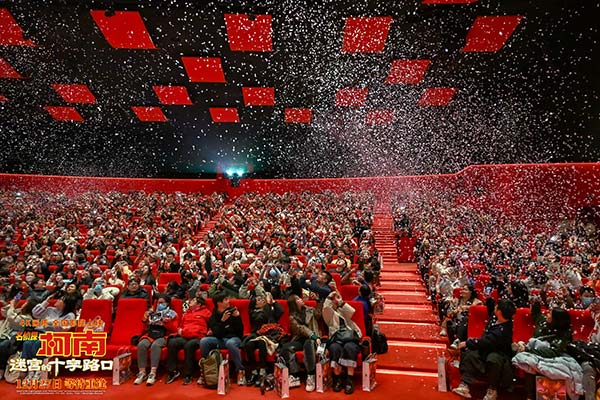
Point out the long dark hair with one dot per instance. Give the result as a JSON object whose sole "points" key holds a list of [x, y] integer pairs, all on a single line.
{"points": [[520, 293], [473, 292], [560, 325], [70, 305], [292, 306]]}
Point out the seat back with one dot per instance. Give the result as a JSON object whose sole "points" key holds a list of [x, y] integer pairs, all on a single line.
{"points": [[92, 308], [128, 321], [359, 316], [177, 306], [582, 324], [349, 292], [243, 305], [523, 325], [478, 317], [284, 321], [337, 278], [166, 277]]}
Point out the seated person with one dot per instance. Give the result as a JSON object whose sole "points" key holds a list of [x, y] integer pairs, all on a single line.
{"points": [[225, 332], [161, 322], [344, 352], [550, 338], [264, 312], [304, 327], [456, 323], [135, 291], [193, 327], [489, 356]]}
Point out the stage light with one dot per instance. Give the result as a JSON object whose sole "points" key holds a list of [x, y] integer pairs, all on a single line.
{"points": [[239, 172], [229, 172]]}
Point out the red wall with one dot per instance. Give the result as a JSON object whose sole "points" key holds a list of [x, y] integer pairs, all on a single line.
{"points": [[532, 190]]}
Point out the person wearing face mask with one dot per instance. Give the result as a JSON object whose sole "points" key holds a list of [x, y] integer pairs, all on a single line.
{"points": [[586, 297], [98, 292], [161, 323]]}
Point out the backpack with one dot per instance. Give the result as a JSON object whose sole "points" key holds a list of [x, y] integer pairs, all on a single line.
{"points": [[209, 368], [379, 342]]}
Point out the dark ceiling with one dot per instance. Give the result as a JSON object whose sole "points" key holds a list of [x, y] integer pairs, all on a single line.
{"points": [[534, 100]]}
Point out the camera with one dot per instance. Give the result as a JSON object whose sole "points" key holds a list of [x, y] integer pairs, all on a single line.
{"points": [[155, 317]]}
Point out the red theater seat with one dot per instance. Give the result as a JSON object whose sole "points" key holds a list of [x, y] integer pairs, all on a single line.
{"points": [[478, 317], [582, 324], [128, 323], [166, 277], [90, 309], [523, 325], [349, 292]]}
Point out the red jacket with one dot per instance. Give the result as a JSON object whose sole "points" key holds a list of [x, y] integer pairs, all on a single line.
{"points": [[194, 323]]}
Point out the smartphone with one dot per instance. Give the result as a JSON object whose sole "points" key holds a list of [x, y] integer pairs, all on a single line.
{"points": [[18, 296]]}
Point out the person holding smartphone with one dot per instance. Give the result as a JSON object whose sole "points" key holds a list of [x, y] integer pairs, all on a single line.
{"points": [[226, 330]]}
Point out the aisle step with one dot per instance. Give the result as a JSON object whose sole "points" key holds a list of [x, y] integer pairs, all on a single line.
{"points": [[400, 276], [404, 297], [415, 331], [411, 355], [397, 267], [407, 314], [401, 285]]}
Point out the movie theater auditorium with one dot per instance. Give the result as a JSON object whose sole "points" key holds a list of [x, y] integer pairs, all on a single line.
{"points": [[447, 254]]}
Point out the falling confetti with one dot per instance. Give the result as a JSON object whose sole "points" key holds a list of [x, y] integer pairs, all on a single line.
{"points": [[295, 88]]}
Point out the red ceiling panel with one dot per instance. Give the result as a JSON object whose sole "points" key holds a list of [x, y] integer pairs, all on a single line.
{"points": [[409, 72], [149, 114], [224, 114], [489, 34], [245, 34], [74, 93], [172, 95], [380, 117], [6, 71], [449, 1], [437, 96], [124, 30], [298, 115], [11, 33], [61, 113], [365, 34], [351, 97], [204, 69], [259, 96]]}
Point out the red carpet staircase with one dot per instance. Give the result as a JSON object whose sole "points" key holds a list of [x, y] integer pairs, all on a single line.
{"points": [[409, 323]]}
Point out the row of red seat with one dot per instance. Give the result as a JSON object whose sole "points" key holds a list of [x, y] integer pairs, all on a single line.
{"points": [[523, 324], [128, 320]]}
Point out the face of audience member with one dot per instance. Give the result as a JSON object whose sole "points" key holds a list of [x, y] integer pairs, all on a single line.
{"points": [[71, 289], [29, 276], [133, 286], [260, 301], [322, 278], [224, 304]]}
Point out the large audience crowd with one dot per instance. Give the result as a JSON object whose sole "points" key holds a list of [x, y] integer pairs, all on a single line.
{"points": [[470, 256], [56, 251]]}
